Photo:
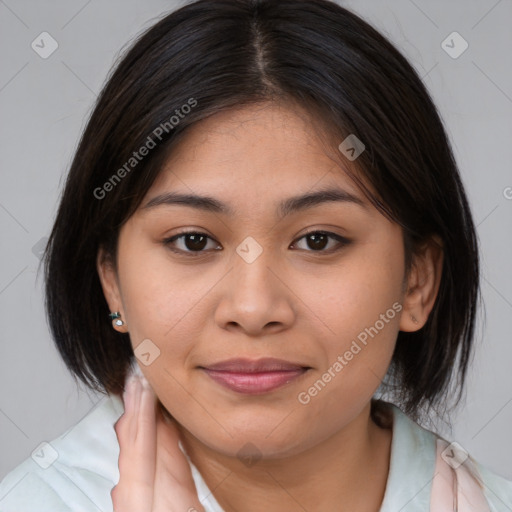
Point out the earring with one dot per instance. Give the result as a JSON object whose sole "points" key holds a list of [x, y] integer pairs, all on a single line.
{"points": [[116, 318], [414, 319]]}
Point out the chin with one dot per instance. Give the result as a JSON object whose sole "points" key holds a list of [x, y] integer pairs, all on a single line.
{"points": [[268, 442]]}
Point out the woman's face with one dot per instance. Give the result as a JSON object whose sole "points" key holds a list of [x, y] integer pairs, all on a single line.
{"points": [[254, 286]]}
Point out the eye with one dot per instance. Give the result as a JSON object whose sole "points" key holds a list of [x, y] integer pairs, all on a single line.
{"points": [[190, 241], [196, 242], [318, 240]]}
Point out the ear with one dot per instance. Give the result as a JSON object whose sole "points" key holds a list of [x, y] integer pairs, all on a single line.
{"points": [[422, 284], [110, 285]]}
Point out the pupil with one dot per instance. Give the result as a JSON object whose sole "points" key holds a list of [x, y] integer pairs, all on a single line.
{"points": [[196, 243], [315, 238]]}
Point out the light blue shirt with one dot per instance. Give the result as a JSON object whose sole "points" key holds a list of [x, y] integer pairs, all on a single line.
{"points": [[77, 471]]}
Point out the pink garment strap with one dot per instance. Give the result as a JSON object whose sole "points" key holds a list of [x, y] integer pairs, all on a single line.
{"points": [[457, 485]]}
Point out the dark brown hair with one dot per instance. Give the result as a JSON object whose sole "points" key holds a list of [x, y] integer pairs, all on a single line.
{"points": [[225, 54]]}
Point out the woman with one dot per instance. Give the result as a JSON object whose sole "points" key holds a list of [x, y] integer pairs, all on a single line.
{"points": [[265, 219]]}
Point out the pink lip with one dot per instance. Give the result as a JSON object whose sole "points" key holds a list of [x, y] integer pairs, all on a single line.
{"points": [[254, 376]]}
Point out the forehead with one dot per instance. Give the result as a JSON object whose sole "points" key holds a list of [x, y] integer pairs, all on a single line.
{"points": [[259, 152]]}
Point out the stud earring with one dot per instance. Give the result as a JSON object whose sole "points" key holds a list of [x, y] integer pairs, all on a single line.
{"points": [[116, 318], [414, 319]]}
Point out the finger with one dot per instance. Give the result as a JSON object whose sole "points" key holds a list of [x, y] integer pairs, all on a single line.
{"points": [[125, 426], [145, 435], [137, 441], [175, 490], [125, 431]]}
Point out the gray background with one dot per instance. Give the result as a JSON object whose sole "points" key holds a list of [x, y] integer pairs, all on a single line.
{"points": [[43, 107]]}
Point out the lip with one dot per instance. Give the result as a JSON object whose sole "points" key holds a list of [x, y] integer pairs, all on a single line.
{"points": [[254, 376], [265, 364]]}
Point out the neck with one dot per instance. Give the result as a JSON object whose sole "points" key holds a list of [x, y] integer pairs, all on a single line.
{"points": [[332, 475]]}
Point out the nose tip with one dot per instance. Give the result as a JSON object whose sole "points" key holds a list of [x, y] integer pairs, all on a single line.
{"points": [[254, 298]]}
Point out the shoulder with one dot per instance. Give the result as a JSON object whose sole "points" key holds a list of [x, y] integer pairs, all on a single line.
{"points": [[412, 461], [75, 471], [421, 469], [476, 488], [497, 489]]}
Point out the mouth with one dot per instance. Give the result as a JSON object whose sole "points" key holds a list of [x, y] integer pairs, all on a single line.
{"points": [[254, 377]]}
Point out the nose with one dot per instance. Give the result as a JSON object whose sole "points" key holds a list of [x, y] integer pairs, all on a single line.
{"points": [[255, 297]]}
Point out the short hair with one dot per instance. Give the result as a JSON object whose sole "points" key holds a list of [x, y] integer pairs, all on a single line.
{"points": [[216, 56]]}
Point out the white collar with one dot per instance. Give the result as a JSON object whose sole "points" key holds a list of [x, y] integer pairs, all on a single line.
{"points": [[410, 475]]}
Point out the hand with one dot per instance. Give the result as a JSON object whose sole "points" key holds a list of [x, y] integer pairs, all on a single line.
{"points": [[155, 476]]}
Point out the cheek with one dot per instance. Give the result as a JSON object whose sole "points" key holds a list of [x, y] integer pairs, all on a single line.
{"points": [[360, 310], [354, 297], [158, 295]]}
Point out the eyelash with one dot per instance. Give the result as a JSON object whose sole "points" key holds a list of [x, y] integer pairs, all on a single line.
{"points": [[342, 241]]}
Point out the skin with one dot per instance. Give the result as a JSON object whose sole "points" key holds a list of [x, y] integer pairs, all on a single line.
{"points": [[293, 302]]}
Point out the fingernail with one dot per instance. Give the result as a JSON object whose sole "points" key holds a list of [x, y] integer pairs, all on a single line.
{"points": [[129, 390], [135, 368], [145, 383]]}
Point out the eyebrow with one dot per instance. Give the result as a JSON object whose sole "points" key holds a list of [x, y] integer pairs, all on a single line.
{"points": [[285, 207]]}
